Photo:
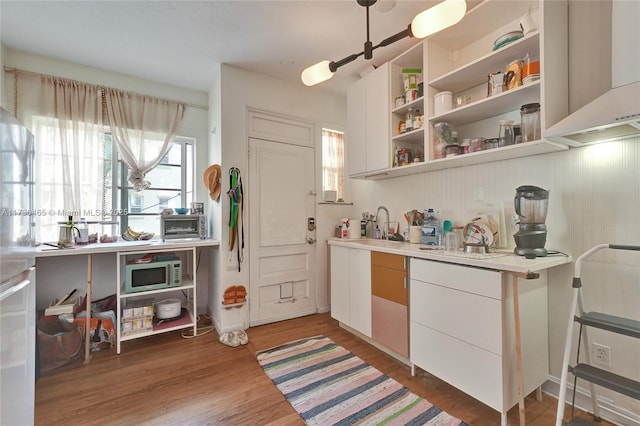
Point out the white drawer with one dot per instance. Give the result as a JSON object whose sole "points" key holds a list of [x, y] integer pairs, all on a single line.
{"points": [[472, 370], [465, 278], [465, 316]]}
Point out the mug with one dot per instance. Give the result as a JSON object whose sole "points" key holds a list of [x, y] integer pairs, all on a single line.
{"points": [[527, 24]]}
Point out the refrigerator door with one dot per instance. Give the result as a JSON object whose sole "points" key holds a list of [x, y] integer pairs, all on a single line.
{"points": [[17, 349], [17, 274], [16, 197]]}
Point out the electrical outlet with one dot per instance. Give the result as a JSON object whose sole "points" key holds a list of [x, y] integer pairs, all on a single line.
{"points": [[602, 354]]}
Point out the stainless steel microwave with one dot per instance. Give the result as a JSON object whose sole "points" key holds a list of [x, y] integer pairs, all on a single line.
{"points": [[183, 226]]}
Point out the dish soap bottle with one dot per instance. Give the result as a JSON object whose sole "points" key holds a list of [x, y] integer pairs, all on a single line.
{"points": [[344, 232], [431, 231]]}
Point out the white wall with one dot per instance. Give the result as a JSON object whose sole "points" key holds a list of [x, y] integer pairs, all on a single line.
{"points": [[238, 90], [594, 199], [52, 283]]}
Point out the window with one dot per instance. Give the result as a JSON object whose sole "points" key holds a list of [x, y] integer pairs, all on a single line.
{"points": [[104, 197], [333, 161], [172, 186]]}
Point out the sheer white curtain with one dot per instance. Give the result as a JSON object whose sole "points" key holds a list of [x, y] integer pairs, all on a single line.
{"points": [[65, 117], [333, 161], [142, 128]]}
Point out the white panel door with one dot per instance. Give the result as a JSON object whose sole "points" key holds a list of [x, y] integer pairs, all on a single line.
{"points": [[281, 200]]}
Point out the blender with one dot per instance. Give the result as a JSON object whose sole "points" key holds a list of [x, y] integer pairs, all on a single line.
{"points": [[531, 205]]}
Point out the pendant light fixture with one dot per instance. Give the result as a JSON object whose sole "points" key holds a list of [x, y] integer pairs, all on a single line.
{"points": [[427, 22]]}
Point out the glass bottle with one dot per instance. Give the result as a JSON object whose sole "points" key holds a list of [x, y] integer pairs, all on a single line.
{"points": [[431, 231], [505, 135], [408, 125]]}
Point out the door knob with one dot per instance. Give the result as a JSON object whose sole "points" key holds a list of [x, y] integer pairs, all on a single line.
{"points": [[311, 240]]}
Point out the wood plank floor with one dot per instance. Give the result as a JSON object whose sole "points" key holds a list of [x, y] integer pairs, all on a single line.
{"points": [[168, 380]]}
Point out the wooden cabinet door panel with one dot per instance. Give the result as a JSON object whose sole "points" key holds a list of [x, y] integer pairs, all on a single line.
{"points": [[390, 324], [389, 284], [388, 260]]}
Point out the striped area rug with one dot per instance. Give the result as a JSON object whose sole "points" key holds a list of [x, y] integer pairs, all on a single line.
{"points": [[328, 385]]}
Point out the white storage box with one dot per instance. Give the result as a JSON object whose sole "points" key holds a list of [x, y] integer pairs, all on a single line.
{"points": [[139, 308], [137, 316], [67, 308], [132, 326]]}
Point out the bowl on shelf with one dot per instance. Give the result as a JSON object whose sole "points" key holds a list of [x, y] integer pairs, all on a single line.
{"points": [[181, 210]]}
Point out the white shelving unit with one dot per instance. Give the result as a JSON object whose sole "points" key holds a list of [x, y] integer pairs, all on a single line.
{"points": [[186, 293], [459, 60]]}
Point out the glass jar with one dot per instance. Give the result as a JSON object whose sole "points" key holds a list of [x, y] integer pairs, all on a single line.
{"points": [[452, 150], [476, 144], [505, 134], [442, 138], [530, 122], [409, 121], [491, 143]]}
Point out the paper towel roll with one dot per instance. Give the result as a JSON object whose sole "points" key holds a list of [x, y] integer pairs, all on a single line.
{"points": [[354, 228]]}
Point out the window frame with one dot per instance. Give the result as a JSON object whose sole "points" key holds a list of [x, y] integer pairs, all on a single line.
{"points": [[120, 196]]}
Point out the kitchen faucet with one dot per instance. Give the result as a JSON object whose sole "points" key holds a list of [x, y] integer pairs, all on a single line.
{"points": [[386, 228]]}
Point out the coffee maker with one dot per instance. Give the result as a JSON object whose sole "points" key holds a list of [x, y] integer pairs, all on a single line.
{"points": [[531, 205]]}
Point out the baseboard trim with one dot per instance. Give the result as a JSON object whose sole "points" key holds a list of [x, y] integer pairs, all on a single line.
{"points": [[608, 409]]}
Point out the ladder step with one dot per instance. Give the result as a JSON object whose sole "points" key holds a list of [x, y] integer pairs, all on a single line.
{"points": [[607, 379], [619, 325], [577, 421]]}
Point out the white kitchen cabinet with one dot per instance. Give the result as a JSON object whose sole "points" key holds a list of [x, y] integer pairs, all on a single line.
{"points": [[186, 293], [351, 288], [459, 59], [462, 330], [367, 143]]}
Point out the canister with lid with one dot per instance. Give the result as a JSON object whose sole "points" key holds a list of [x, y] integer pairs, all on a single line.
{"points": [[442, 102], [530, 122]]}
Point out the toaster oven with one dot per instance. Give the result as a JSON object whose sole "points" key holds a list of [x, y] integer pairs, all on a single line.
{"points": [[183, 226]]}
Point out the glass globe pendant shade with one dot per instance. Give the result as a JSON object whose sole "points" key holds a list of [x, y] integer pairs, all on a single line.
{"points": [[438, 17], [317, 73]]}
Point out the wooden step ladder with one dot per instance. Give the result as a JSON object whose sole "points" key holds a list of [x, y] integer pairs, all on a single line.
{"points": [[584, 370]]}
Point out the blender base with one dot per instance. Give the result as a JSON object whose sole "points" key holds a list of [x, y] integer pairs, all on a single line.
{"points": [[530, 253]]}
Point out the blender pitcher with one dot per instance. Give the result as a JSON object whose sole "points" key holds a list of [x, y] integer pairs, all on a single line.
{"points": [[531, 204]]}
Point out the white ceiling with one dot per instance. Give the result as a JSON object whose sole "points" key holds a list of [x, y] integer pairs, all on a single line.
{"points": [[179, 42]]}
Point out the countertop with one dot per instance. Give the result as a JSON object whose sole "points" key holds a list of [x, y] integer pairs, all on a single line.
{"points": [[122, 246], [499, 260]]}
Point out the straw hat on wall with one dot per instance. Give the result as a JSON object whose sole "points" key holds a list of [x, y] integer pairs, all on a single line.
{"points": [[213, 180]]}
